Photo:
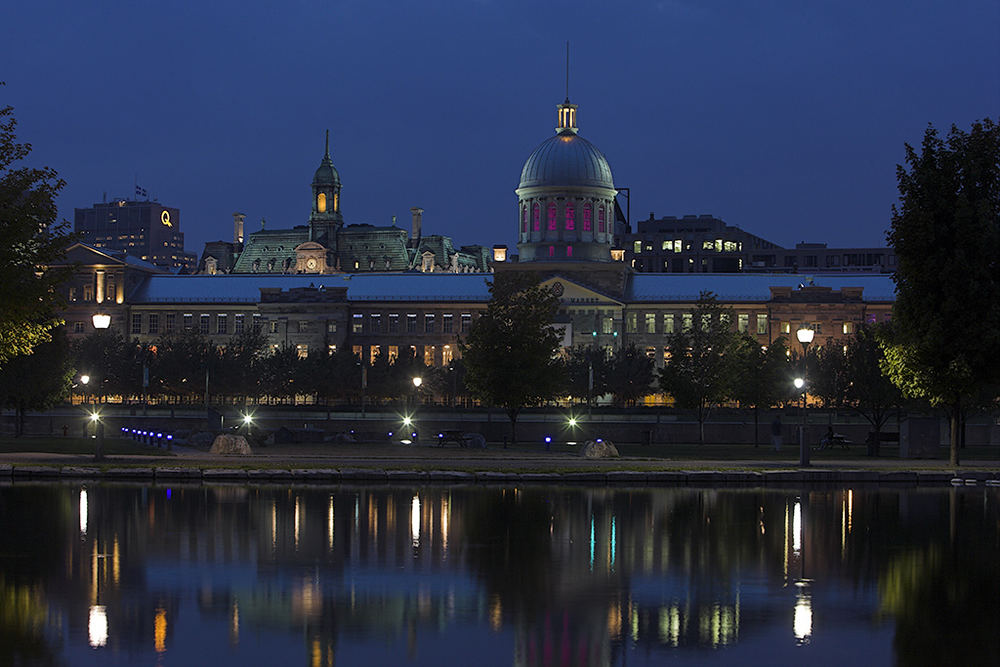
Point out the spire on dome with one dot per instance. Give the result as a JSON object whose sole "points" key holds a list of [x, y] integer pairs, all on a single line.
{"points": [[326, 152], [567, 111]]}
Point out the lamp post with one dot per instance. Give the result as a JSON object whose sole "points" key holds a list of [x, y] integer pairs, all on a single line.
{"points": [[417, 381], [805, 336], [99, 434]]}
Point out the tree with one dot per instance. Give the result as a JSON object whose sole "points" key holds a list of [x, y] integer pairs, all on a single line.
{"points": [[179, 365], [237, 367], [630, 376], [870, 392], [113, 363], [761, 376], [587, 372], [511, 350], [701, 371], [32, 240], [38, 380], [947, 316]]}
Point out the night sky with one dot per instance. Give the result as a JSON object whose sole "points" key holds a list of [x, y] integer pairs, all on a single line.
{"points": [[785, 118]]}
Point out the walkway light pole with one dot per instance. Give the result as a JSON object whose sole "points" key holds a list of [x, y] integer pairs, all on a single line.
{"points": [[805, 336]]}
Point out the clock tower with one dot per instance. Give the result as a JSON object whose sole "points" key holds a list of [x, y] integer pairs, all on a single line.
{"points": [[325, 219]]}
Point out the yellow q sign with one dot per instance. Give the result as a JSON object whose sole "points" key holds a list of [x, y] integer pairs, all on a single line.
{"points": [[165, 218]]}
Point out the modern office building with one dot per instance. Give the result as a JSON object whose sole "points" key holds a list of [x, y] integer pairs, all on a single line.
{"points": [[146, 230], [706, 244]]}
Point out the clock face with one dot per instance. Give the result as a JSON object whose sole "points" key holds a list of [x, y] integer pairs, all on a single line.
{"points": [[311, 263]]}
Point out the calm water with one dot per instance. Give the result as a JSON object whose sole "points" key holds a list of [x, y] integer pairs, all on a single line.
{"points": [[215, 575]]}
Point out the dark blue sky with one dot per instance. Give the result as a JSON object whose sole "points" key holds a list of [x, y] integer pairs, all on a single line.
{"points": [[783, 117]]}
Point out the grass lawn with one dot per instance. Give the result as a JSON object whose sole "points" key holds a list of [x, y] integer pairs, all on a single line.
{"points": [[74, 445]]}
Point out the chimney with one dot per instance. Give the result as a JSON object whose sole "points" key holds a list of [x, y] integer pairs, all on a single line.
{"points": [[418, 214], [238, 219]]}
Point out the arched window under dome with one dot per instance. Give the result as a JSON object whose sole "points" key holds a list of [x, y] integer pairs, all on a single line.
{"points": [[321, 202], [570, 217], [536, 218], [587, 216], [552, 217], [524, 219]]}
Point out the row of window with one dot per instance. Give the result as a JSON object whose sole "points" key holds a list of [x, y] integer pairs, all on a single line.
{"points": [[373, 324], [744, 322], [680, 245], [568, 218], [166, 323]]}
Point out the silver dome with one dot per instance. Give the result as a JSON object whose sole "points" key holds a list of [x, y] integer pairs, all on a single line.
{"points": [[566, 160]]}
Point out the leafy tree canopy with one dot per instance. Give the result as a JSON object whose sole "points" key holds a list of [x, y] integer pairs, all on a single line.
{"points": [[32, 240], [946, 234], [511, 350]]}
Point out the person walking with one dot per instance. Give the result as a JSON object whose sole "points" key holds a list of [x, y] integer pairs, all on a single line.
{"points": [[776, 433]]}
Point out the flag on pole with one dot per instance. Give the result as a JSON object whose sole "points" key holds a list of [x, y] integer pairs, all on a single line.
{"points": [[140, 192]]}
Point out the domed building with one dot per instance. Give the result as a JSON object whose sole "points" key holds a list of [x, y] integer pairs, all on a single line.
{"points": [[566, 198]]}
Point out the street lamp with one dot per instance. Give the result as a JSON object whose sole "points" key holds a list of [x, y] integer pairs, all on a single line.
{"points": [[805, 335], [95, 417]]}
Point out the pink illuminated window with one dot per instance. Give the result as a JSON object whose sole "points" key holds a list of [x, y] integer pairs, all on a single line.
{"points": [[536, 218], [600, 219], [570, 217], [552, 217], [586, 217], [569, 251], [524, 218], [552, 251]]}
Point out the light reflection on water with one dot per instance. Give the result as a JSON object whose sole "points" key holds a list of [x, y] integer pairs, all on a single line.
{"points": [[119, 574]]}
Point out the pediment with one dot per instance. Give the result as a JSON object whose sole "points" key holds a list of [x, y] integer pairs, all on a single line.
{"points": [[573, 293], [310, 246], [81, 253]]}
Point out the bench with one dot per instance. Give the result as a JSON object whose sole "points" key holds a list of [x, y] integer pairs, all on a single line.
{"points": [[838, 439]]}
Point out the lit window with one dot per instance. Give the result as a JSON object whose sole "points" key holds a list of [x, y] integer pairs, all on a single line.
{"points": [[373, 352], [429, 355], [358, 352], [357, 323], [651, 352], [321, 202], [569, 251], [637, 248], [668, 323], [761, 324], [848, 328], [331, 350], [272, 326], [570, 217], [393, 353], [586, 217], [607, 325], [536, 218], [786, 327], [686, 320], [743, 322], [552, 217], [651, 323], [302, 351], [446, 355]]}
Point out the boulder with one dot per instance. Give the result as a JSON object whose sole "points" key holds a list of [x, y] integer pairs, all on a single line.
{"points": [[230, 444], [599, 449]]}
